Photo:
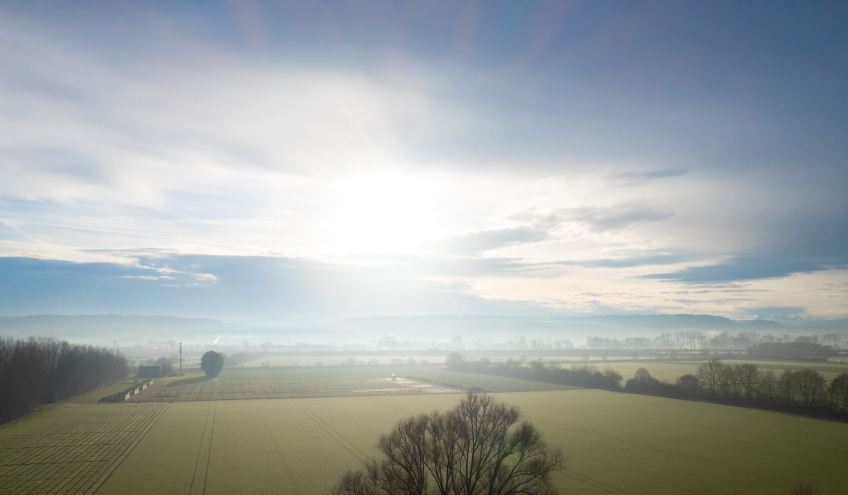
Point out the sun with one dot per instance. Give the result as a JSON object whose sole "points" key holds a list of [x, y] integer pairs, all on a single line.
{"points": [[382, 212]]}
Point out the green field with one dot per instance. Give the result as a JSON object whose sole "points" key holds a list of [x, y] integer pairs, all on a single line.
{"points": [[331, 360], [487, 383], [616, 443], [72, 448], [298, 383]]}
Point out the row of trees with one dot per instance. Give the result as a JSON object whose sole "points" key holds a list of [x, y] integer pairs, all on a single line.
{"points": [[746, 384], [166, 365], [584, 375], [44, 370]]}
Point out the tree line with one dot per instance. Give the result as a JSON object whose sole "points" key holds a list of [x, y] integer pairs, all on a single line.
{"points": [[803, 390], [42, 370], [584, 375]]}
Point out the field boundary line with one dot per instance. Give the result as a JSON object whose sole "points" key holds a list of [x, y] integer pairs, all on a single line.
{"points": [[336, 432], [200, 450], [313, 417], [279, 451], [209, 456], [580, 478]]}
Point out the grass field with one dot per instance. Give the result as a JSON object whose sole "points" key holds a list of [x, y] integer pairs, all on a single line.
{"points": [[488, 383], [670, 370], [72, 448], [331, 360], [616, 443], [297, 383]]}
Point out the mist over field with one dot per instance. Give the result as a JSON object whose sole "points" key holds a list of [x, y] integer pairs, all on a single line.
{"points": [[401, 332], [454, 247]]}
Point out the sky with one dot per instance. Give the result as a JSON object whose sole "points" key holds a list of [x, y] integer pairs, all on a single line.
{"points": [[294, 161]]}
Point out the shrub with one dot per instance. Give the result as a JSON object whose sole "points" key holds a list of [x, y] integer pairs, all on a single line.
{"points": [[212, 363]]}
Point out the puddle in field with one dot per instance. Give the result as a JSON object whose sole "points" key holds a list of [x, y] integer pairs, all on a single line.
{"points": [[420, 386]]}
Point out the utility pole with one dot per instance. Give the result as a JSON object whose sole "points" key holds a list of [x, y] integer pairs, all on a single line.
{"points": [[181, 359]]}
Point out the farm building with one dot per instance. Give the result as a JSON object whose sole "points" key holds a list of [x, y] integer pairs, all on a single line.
{"points": [[148, 372]]}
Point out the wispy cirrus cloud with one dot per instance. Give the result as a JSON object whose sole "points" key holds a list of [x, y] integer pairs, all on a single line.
{"points": [[618, 217], [487, 240], [635, 178], [742, 268]]}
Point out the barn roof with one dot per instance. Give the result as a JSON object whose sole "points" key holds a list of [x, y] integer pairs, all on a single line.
{"points": [[148, 372]]}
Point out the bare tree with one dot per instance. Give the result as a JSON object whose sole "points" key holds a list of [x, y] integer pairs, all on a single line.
{"points": [[785, 386], [735, 375], [689, 383], [709, 374], [478, 447], [642, 377], [768, 384], [750, 376], [839, 391], [810, 385], [166, 366], [725, 381]]}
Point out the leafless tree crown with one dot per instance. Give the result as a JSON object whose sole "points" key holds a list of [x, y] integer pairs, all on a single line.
{"points": [[479, 447]]}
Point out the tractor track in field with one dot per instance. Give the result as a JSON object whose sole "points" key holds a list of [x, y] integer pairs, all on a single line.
{"points": [[595, 483], [210, 411], [209, 455], [279, 451], [76, 456], [314, 417]]}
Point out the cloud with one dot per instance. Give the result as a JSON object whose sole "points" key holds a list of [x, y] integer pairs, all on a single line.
{"points": [[655, 259], [75, 126], [232, 287], [10, 233], [740, 268], [633, 178], [615, 218], [486, 240]]}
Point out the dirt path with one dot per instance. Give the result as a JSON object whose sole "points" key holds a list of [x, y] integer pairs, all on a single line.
{"points": [[148, 393]]}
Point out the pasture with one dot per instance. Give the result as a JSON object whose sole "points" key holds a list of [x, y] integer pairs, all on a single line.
{"points": [[72, 448], [298, 383], [669, 370], [616, 443]]}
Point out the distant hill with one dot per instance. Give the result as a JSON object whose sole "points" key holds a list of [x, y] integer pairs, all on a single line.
{"points": [[99, 327], [128, 330], [567, 327], [800, 321]]}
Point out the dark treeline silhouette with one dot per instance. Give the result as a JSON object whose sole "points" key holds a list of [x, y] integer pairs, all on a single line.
{"points": [[584, 375], [804, 391], [792, 350], [44, 370]]}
